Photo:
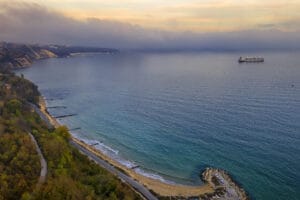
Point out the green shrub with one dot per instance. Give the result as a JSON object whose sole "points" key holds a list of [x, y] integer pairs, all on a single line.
{"points": [[13, 106]]}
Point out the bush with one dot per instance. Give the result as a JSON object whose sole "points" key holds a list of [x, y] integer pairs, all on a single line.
{"points": [[13, 106]]}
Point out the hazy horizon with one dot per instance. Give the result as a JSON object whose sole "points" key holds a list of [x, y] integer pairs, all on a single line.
{"points": [[52, 22]]}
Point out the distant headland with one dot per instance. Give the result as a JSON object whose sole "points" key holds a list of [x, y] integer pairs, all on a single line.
{"points": [[217, 183], [14, 56]]}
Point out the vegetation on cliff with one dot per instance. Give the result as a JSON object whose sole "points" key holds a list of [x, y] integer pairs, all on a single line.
{"points": [[22, 55], [71, 175]]}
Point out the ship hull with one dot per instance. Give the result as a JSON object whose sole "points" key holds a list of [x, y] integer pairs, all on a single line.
{"points": [[251, 60]]}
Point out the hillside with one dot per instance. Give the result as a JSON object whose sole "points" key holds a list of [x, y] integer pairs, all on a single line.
{"points": [[71, 175], [14, 55]]}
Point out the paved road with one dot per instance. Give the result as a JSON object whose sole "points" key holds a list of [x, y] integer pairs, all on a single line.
{"points": [[44, 169], [139, 187], [41, 114]]}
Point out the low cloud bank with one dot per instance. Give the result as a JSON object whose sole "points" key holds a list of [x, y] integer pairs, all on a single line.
{"points": [[32, 23]]}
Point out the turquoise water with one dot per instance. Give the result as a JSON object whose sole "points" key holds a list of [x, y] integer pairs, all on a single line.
{"points": [[175, 114]]}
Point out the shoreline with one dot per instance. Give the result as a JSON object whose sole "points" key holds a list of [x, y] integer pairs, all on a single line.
{"points": [[159, 187], [217, 183]]}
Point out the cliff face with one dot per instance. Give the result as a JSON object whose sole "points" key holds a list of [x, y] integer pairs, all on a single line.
{"points": [[14, 56], [20, 55]]}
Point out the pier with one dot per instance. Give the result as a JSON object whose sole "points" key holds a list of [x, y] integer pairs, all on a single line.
{"points": [[74, 129], [135, 166], [52, 107], [53, 99], [64, 116]]}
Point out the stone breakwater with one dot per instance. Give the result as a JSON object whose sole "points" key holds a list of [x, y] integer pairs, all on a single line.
{"points": [[224, 186], [218, 183]]}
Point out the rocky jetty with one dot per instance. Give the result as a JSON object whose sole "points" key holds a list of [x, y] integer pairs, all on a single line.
{"points": [[224, 186]]}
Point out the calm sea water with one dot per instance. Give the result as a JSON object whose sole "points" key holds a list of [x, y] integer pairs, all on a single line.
{"points": [[175, 114]]}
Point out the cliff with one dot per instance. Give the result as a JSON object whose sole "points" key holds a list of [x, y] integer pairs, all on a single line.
{"points": [[21, 55], [13, 56], [63, 51]]}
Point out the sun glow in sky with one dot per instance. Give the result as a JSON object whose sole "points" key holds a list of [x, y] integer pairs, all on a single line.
{"points": [[187, 15]]}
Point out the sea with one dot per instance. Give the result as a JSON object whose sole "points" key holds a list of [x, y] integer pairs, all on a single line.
{"points": [[174, 114]]}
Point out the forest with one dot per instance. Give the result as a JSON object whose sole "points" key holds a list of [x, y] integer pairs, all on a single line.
{"points": [[71, 175]]}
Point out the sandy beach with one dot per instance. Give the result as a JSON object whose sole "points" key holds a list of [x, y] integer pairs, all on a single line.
{"points": [[43, 108], [159, 187]]}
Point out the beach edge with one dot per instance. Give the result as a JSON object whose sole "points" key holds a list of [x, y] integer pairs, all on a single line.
{"points": [[212, 177]]}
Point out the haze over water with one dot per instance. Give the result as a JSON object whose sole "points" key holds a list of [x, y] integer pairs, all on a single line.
{"points": [[175, 114]]}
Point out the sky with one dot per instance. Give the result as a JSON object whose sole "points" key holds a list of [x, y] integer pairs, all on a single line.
{"points": [[154, 24], [186, 15]]}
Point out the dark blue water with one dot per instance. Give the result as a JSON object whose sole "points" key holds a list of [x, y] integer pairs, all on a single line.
{"points": [[175, 114]]}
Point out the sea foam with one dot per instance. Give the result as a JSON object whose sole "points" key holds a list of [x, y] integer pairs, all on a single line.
{"points": [[114, 154]]}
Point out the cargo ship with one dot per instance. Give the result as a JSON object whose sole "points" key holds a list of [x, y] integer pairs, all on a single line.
{"points": [[251, 59]]}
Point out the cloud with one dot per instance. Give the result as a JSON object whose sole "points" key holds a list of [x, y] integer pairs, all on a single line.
{"points": [[32, 23], [266, 25]]}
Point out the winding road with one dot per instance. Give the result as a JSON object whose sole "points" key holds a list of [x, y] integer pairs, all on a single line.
{"points": [[136, 185], [44, 169], [41, 114]]}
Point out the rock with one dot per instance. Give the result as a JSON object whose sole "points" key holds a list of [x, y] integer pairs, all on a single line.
{"points": [[224, 186], [20, 55]]}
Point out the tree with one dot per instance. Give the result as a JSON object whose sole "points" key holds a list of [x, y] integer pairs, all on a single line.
{"points": [[13, 106]]}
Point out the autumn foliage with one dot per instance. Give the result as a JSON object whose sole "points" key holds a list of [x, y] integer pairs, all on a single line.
{"points": [[71, 175]]}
